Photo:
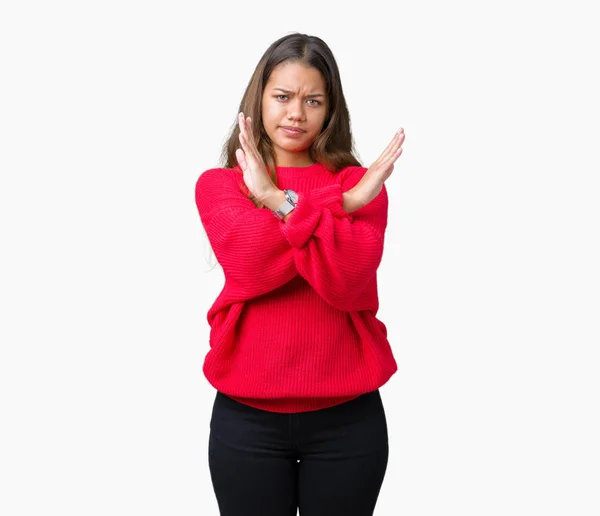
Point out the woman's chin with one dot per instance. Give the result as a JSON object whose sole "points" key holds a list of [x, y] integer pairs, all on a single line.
{"points": [[291, 148]]}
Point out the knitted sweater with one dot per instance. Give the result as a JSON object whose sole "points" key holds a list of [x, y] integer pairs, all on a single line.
{"points": [[295, 328]]}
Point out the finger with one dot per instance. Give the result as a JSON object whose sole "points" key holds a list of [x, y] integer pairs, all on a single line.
{"points": [[244, 143], [243, 127], [391, 153], [399, 137], [249, 133], [241, 122], [249, 146], [239, 154], [392, 147], [400, 142], [392, 159], [389, 147], [248, 130], [249, 153]]}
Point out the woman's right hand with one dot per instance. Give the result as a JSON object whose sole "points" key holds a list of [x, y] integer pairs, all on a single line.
{"points": [[256, 177], [371, 183]]}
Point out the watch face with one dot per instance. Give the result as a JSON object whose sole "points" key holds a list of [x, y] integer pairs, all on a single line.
{"points": [[293, 195]]}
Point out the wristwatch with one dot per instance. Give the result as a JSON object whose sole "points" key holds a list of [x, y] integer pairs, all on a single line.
{"points": [[291, 198]]}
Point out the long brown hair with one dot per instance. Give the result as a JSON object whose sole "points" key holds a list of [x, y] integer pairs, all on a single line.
{"points": [[334, 146]]}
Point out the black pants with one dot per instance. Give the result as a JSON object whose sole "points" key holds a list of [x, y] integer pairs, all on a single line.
{"points": [[328, 462]]}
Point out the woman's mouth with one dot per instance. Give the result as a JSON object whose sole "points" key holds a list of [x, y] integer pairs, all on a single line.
{"points": [[293, 132]]}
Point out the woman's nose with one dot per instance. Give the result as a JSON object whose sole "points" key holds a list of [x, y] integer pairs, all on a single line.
{"points": [[296, 110]]}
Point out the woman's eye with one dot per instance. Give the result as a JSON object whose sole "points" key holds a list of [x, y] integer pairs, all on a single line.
{"points": [[316, 102]]}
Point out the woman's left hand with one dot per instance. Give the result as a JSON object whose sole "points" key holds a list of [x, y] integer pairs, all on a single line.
{"points": [[372, 182]]}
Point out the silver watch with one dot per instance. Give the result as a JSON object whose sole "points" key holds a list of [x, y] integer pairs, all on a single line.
{"points": [[291, 198]]}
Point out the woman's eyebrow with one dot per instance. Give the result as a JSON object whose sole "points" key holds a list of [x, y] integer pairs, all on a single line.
{"points": [[287, 92]]}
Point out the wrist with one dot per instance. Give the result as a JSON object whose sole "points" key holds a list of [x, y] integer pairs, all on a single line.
{"points": [[363, 194], [353, 200], [273, 199]]}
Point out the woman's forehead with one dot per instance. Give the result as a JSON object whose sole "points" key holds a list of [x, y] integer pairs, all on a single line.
{"points": [[296, 76]]}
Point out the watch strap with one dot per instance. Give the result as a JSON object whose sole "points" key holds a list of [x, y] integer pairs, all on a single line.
{"points": [[288, 205]]}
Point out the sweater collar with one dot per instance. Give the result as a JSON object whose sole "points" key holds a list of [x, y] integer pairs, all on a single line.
{"points": [[291, 172]]}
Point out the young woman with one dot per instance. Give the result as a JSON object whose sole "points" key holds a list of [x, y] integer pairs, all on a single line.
{"points": [[297, 354]]}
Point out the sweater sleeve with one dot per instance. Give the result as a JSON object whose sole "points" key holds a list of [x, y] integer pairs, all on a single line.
{"points": [[246, 240], [338, 253]]}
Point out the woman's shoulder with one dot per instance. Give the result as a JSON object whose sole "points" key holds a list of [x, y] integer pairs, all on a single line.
{"points": [[219, 175], [351, 175]]}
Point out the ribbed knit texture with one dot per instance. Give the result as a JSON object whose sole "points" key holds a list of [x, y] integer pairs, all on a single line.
{"points": [[295, 328]]}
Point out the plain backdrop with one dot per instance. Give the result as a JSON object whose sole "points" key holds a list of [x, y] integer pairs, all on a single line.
{"points": [[489, 285]]}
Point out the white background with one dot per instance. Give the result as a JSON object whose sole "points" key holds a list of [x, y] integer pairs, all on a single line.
{"points": [[489, 284]]}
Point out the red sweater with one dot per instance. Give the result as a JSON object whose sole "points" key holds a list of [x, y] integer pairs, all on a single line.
{"points": [[294, 328]]}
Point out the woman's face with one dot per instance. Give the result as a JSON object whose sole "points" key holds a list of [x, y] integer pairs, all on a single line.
{"points": [[294, 96]]}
